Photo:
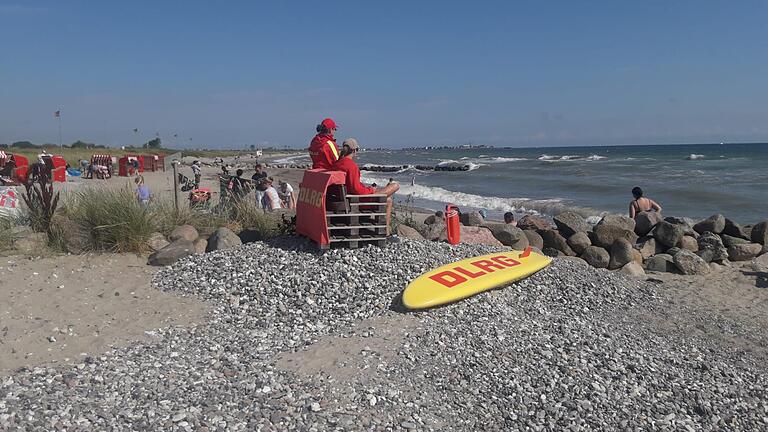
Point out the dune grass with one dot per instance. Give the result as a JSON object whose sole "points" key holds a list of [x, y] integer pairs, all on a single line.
{"points": [[6, 235], [111, 220]]}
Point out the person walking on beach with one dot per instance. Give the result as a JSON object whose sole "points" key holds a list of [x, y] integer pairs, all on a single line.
{"points": [[258, 178], [641, 204], [142, 191], [196, 170], [346, 164], [323, 149]]}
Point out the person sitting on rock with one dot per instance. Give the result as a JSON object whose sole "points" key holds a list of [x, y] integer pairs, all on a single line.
{"points": [[346, 164], [641, 204], [509, 219]]}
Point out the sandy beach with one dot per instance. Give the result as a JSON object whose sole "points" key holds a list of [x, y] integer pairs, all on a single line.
{"points": [[339, 349]]}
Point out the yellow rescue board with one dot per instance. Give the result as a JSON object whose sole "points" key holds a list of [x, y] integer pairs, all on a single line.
{"points": [[470, 276]]}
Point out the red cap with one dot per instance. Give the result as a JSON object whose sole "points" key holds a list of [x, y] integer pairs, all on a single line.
{"points": [[329, 124]]}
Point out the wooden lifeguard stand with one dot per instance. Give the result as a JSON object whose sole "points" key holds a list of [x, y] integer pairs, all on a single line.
{"points": [[328, 216]]}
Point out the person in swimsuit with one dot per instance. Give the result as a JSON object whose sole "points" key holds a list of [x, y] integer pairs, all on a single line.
{"points": [[641, 204]]}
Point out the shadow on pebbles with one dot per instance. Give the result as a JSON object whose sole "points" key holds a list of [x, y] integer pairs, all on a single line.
{"points": [[298, 340]]}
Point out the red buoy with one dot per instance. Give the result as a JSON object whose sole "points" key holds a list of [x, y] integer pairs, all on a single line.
{"points": [[452, 224]]}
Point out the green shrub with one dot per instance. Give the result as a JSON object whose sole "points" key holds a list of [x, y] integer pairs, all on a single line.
{"points": [[245, 214], [6, 235], [111, 220], [166, 217]]}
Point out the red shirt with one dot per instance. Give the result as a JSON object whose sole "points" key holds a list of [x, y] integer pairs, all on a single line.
{"points": [[323, 151], [354, 187]]}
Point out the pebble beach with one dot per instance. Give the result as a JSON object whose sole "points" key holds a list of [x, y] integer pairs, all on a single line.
{"points": [[297, 340]]}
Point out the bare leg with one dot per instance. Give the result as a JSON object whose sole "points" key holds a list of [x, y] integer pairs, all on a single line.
{"points": [[389, 189], [389, 215]]}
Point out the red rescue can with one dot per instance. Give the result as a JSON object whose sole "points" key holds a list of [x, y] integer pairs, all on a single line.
{"points": [[452, 224]]}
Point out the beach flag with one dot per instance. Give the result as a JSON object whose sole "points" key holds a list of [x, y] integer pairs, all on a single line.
{"points": [[57, 113]]}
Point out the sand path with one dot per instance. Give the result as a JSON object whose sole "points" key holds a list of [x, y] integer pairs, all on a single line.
{"points": [[64, 308]]}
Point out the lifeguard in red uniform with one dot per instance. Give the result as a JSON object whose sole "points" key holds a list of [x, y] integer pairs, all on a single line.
{"points": [[323, 149], [347, 165]]}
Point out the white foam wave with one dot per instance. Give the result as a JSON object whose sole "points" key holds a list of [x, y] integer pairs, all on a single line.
{"points": [[694, 156], [569, 158], [490, 203], [290, 159], [471, 166], [485, 159]]}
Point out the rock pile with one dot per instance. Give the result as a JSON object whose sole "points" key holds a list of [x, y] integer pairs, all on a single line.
{"points": [[617, 242], [185, 241], [557, 351], [670, 244]]}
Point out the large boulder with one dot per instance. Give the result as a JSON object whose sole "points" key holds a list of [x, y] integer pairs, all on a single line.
{"points": [[553, 253], [648, 247], [184, 232], [507, 234], [31, 243], [596, 257], [633, 269], [711, 248], [668, 234], [408, 232], [735, 230], [478, 235], [744, 252], [729, 241], [553, 239], [473, 218], [201, 244], [760, 233], [621, 254], [157, 241], [690, 264], [530, 222], [645, 221], [569, 223], [714, 224], [534, 239], [686, 221], [433, 231], [661, 263], [223, 238], [688, 243], [172, 253], [622, 221], [761, 263], [521, 244], [605, 235], [438, 216], [579, 242]]}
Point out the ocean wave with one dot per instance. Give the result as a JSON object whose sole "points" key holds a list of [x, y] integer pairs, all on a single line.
{"points": [[291, 159], [570, 158], [694, 156], [491, 203], [484, 159], [450, 163], [503, 159]]}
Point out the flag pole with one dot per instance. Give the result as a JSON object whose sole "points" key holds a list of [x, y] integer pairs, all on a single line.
{"points": [[60, 145]]}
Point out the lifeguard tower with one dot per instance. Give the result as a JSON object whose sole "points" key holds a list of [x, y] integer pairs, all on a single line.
{"points": [[329, 217]]}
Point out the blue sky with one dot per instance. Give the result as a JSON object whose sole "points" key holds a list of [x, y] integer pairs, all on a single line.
{"points": [[392, 74]]}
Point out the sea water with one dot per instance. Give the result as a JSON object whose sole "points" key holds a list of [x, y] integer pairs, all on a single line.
{"points": [[686, 180]]}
